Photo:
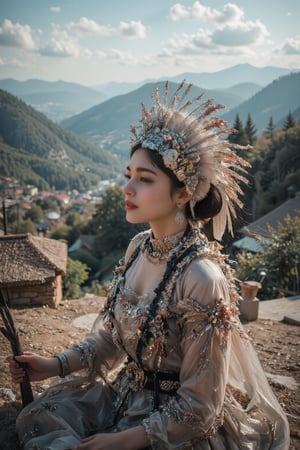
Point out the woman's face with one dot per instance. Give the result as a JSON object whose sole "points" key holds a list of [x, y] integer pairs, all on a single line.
{"points": [[148, 195]]}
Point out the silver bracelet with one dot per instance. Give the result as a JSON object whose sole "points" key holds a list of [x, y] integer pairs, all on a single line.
{"points": [[64, 364]]}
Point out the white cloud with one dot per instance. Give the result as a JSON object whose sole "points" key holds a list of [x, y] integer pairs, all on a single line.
{"points": [[178, 12], [86, 25], [55, 9], [61, 45], [202, 39], [241, 35], [133, 29], [100, 54], [188, 44], [231, 30], [226, 42], [229, 34], [231, 13], [291, 46], [123, 57], [16, 35]]}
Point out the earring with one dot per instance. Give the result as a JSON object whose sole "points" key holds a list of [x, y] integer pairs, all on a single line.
{"points": [[179, 217]]}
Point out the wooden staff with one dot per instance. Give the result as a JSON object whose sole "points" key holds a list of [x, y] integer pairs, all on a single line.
{"points": [[10, 332]]}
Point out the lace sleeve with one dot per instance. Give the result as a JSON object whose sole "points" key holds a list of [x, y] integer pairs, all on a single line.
{"points": [[99, 354]]}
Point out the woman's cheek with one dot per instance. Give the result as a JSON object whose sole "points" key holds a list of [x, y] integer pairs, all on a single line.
{"points": [[152, 193]]}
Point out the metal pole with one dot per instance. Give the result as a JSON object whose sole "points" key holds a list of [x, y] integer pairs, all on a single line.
{"points": [[4, 217]]}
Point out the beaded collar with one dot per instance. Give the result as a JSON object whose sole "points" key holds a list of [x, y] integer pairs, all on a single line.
{"points": [[159, 248]]}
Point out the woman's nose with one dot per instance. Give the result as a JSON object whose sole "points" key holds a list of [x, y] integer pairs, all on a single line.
{"points": [[128, 188]]}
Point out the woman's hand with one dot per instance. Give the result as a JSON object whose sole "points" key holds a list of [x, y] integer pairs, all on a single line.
{"points": [[131, 439], [38, 367], [105, 441]]}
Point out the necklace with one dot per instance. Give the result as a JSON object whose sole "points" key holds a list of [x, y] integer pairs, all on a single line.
{"points": [[159, 248]]}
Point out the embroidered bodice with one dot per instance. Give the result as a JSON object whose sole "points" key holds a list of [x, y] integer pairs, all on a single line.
{"points": [[147, 316]]}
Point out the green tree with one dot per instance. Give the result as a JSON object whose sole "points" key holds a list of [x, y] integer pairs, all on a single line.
{"points": [[24, 226], [61, 233], [250, 130], [75, 225], [73, 219], [289, 122], [76, 275], [110, 226], [280, 260], [36, 214], [270, 128], [47, 204], [92, 263], [238, 136], [277, 162]]}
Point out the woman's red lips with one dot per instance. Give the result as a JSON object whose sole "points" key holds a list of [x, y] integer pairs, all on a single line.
{"points": [[130, 205]]}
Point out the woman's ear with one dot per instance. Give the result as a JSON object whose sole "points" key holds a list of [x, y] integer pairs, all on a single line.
{"points": [[182, 196]]}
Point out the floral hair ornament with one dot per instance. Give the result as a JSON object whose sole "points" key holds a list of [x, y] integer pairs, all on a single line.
{"points": [[190, 141]]}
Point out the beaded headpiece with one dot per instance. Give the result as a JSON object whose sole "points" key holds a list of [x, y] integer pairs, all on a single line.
{"points": [[189, 140]]}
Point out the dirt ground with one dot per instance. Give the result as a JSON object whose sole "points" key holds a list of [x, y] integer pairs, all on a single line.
{"points": [[48, 331]]}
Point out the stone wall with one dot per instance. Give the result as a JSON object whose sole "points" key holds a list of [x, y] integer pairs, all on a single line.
{"points": [[48, 293]]}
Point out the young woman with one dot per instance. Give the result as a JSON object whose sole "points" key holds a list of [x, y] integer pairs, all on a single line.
{"points": [[169, 365]]}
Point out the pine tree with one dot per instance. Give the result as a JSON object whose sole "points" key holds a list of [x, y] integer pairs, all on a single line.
{"points": [[250, 130], [270, 128], [238, 136], [289, 122]]}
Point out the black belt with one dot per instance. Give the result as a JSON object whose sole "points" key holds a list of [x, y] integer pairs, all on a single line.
{"points": [[158, 382], [162, 382]]}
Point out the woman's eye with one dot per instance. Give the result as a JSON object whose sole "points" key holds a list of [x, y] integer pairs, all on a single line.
{"points": [[141, 179]]}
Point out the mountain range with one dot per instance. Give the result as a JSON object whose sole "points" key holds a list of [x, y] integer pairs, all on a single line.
{"points": [[37, 151], [60, 100], [222, 79], [108, 124]]}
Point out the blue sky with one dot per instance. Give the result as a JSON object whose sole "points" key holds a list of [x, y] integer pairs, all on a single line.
{"points": [[95, 41]]}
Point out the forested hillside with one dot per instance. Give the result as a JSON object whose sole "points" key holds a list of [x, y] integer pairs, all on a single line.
{"points": [[57, 99], [275, 100], [109, 123], [37, 151]]}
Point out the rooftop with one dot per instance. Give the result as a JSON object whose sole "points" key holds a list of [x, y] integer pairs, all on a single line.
{"points": [[259, 227], [27, 259]]}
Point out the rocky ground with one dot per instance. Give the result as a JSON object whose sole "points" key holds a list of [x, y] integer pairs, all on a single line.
{"points": [[49, 331]]}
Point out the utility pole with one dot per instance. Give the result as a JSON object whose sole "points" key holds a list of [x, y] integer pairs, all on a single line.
{"points": [[4, 217]]}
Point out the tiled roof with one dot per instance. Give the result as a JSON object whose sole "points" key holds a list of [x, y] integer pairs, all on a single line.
{"points": [[260, 227], [27, 259]]}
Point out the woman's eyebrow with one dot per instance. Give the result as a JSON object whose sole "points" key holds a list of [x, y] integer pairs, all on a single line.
{"points": [[142, 169]]}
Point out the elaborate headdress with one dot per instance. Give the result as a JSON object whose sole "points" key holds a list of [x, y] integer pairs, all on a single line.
{"points": [[190, 143]]}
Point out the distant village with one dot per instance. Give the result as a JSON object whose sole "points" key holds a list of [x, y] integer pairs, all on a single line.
{"points": [[33, 262], [17, 199]]}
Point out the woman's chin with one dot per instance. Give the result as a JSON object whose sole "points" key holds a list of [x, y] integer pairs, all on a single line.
{"points": [[133, 220]]}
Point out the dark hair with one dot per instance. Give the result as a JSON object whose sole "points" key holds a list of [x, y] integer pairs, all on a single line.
{"points": [[206, 208]]}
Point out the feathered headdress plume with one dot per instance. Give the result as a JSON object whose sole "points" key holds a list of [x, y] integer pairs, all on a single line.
{"points": [[190, 140]]}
